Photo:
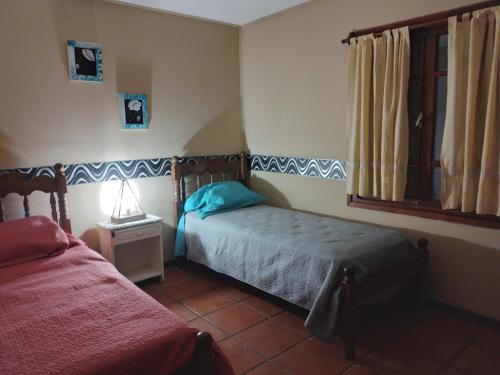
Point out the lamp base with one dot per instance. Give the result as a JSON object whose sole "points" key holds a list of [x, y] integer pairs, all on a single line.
{"points": [[127, 219]]}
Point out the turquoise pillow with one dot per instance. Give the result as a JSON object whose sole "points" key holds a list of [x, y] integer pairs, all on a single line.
{"points": [[213, 199], [221, 196]]}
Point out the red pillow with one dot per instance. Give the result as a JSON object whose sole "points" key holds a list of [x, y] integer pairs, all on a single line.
{"points": [[30, 238]]}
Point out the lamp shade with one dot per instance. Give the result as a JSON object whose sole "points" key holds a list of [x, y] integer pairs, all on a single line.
{"points": [[127, 207]]}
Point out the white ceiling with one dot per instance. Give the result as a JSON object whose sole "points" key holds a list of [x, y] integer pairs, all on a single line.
{"points": [[235, 12]]}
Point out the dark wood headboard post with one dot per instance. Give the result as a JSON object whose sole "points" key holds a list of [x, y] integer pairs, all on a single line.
{"points": [[244, 168], [177, 189], [62, 189], [20, 184]]}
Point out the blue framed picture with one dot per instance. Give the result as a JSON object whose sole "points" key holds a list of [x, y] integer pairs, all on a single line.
{"points": [[84, 61], [133, 111]]}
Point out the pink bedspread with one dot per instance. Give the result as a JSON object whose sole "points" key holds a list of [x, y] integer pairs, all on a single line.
{"points": [[30, 238], [75, 314]]}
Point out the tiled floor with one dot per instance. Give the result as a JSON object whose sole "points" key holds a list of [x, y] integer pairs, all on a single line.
{"points": [[262, 336]]}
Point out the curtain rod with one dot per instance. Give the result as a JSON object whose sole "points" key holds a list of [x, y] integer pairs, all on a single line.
{"points": [[430, 20]]}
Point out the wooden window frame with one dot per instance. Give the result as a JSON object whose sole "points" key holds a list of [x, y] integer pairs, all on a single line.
{"points": [[423, 205], [426, 163], [425, 210]]}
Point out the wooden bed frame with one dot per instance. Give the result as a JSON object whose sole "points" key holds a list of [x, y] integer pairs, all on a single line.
{"points": [[216, 168], [353, 292], [18, 183], [204, 361]]}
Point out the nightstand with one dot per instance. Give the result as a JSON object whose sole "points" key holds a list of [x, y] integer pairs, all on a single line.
{"points": [[134, 248]]}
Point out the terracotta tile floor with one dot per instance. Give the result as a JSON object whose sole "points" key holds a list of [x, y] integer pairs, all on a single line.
{"points": [[264, 336]]}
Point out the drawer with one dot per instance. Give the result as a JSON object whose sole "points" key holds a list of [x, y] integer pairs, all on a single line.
{"points": [[134, 234]]}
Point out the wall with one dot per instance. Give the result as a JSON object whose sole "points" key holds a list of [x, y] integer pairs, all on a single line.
{"points": [[293, 90], [293, 79], [188, 68]]}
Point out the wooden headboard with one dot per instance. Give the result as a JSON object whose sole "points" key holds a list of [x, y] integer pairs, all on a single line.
{"points": [[217, 169], [17, 183]]}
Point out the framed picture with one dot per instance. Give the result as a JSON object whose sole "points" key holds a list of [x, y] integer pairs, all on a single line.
{"points": [[85, 61], [133, 111]]}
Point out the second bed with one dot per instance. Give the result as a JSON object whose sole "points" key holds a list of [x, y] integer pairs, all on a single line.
{"points": [[326, 265]]}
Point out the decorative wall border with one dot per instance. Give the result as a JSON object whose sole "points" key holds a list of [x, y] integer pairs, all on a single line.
{"points": [[85, 173], [323, 168]]}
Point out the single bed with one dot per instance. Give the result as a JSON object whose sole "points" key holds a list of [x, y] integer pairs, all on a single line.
{"points": [[326, 265], [72, 312]]}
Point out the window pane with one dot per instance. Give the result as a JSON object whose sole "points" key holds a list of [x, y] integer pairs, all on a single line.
{"points": [[442, 53], [417, 45], [440, 115], [414, 108], [436, 184], [415, 88], [411, 182]]}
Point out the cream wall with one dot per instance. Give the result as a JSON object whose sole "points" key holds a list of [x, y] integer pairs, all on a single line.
{"points": [[293, 82], [188, 68]]}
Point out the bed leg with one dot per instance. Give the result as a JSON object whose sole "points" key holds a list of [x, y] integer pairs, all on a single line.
{"points": [[349, 313], [422, 282], [204, 357]]}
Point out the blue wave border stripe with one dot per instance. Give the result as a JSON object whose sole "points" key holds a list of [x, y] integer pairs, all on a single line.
{"points": [[322, 168], [116, 170], [86, 173]]}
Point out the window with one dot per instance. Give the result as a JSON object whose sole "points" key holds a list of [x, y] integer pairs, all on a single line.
{"points": [[427, 109]]}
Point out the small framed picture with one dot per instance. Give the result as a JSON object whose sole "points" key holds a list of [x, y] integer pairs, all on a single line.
{"points": [[133, 111], [85, 61]]}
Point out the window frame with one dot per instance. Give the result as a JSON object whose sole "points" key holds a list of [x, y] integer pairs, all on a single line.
{"points": [[426, 163], [423, 205], [425, 210]]}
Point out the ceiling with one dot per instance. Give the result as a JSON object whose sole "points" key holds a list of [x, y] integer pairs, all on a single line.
{"points": [[234, 12]]}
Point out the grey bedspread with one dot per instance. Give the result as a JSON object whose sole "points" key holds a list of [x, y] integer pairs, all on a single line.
{"points": [[293, 255]]}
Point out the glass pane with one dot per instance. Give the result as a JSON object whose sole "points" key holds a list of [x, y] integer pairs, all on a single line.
{"points": [[436, 184], [411, 182], [441, 88], [442, 53], [414, 107], [417, 45]]}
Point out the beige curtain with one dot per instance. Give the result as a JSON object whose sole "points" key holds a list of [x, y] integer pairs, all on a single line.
{"points": [[471, 146], [378, 115]]}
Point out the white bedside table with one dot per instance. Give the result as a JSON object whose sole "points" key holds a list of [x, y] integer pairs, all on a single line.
{"points": [[134, 248]]}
